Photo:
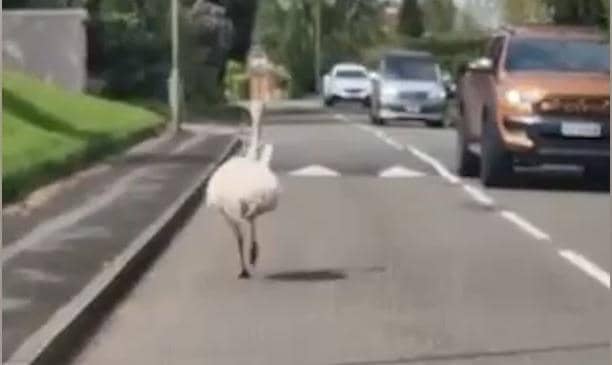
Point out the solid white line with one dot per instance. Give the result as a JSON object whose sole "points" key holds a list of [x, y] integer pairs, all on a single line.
{"points": [[393, 143], [587, 266], [478, 195], [525, 225], [43, 231], [439, 167]]}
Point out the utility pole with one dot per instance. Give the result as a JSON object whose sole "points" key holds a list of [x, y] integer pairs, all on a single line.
{"points": [[175, 79], [317, 45]]}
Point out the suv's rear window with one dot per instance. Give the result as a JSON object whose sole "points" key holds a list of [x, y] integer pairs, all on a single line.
{"points": [[558, 55], [410, 68], [351, 74]]}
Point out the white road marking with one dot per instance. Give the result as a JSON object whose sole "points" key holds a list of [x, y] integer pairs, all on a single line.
{"points": [[12, 304], [586, 266], [315, 171], [478, 195], [399, 172], [39, 276], [46, 229], [393, 143], [437, 165], [525, 225]]}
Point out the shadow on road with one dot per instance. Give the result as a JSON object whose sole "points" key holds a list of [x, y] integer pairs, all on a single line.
{"points": [[308, 276], [556, 181], [480, 355], [324, 274]]}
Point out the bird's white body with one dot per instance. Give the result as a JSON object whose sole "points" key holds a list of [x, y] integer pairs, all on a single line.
{"points": [[244, 188]]}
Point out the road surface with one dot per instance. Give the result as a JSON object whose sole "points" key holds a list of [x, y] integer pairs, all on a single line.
{"points": [[379, 254]]}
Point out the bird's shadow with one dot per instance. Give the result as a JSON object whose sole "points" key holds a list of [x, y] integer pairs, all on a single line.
{"points": [[307, 276], [320, 275]]}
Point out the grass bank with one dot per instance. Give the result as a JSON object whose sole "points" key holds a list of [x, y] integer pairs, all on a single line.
{"points": [[49, 132]]}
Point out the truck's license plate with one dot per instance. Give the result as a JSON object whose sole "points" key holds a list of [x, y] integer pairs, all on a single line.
{"points": [[588, 130]]}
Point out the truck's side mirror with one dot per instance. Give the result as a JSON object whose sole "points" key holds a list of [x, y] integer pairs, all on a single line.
{"points": [[483, 64]]}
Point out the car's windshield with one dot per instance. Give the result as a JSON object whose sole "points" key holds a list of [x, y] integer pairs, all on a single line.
{"points": [[558, 55], [351, 74], [410, 68]]}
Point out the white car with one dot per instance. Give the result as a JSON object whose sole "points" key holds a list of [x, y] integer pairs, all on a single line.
{"points": [[347, 81]]}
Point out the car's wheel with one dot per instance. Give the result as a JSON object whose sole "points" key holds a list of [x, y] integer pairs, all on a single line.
{"points": [[330, 101], [599, 174], [468, 163], [366, 102], [496, 162]]}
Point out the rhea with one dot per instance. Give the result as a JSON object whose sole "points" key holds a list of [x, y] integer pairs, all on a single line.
{"points": [[244, 188]]}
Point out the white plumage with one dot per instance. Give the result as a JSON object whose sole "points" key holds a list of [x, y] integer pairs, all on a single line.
{"points": [[244, 188]]}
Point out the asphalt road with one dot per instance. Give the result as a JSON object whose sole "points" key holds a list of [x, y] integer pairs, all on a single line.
{"points": [[378, 254]]}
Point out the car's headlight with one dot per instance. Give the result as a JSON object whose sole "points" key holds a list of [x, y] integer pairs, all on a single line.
{"points": [[437, 94], [522, 98]]}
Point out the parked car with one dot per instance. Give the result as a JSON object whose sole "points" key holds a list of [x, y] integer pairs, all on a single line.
{"points": [[408, 86], [540, 94], [346, 82]]}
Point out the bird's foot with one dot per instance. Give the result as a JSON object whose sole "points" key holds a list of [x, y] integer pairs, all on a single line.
{"points": [[254, 254], [244, 274]]}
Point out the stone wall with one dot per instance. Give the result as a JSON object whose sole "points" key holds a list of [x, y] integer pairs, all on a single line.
{"points": [[49, 44]]}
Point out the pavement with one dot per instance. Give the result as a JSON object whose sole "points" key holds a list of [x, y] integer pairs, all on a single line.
{"points": [[378, 254], [64, 244]]}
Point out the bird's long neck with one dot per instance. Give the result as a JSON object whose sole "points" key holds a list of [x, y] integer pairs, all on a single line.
{"points": [[255, 138]]}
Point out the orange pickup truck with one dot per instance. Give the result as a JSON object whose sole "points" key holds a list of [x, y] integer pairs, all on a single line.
{"points": [[540, 95]]}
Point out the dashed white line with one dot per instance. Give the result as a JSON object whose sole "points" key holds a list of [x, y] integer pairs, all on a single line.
{"points": [[440, 168], [479, 195], [525, 225], [586, 266]]}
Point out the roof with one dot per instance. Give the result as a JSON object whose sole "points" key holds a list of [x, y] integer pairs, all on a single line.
{"points": [[553, 31], [347, 65]]}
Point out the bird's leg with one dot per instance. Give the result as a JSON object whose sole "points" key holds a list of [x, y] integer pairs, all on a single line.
{"points": [[244, 273], [254, 254]]}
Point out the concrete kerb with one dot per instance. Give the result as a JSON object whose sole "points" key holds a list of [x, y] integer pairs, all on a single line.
{"points": [[69, 328]]}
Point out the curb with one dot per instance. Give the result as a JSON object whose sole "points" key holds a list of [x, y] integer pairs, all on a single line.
{"points": [[60, 339]]}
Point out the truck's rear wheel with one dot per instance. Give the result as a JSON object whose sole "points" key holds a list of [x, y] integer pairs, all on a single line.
{"points": [[468, 164], [496, 162]]}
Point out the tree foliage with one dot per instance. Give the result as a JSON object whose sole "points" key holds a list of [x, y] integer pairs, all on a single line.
{"points": [[411, 21], [583, 12], [129, 41], [439, 15], [286, 30]]}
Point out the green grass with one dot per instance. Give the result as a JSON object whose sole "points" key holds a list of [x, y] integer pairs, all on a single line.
{"points": [[49, 132]]}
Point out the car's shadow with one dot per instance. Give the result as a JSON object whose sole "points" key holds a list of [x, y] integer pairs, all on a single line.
{"points": [[552, 180]]}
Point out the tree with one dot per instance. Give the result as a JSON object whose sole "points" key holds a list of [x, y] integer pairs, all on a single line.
{"points": [[411, 19], [286, 30], [521, 11], [579, 12], [439, 15]]}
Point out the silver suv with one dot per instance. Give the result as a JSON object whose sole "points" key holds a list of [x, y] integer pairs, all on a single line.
{"points": [[408, 86]]}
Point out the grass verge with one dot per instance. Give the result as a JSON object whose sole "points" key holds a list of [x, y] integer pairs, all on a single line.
{"points": [[49, 132]]}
